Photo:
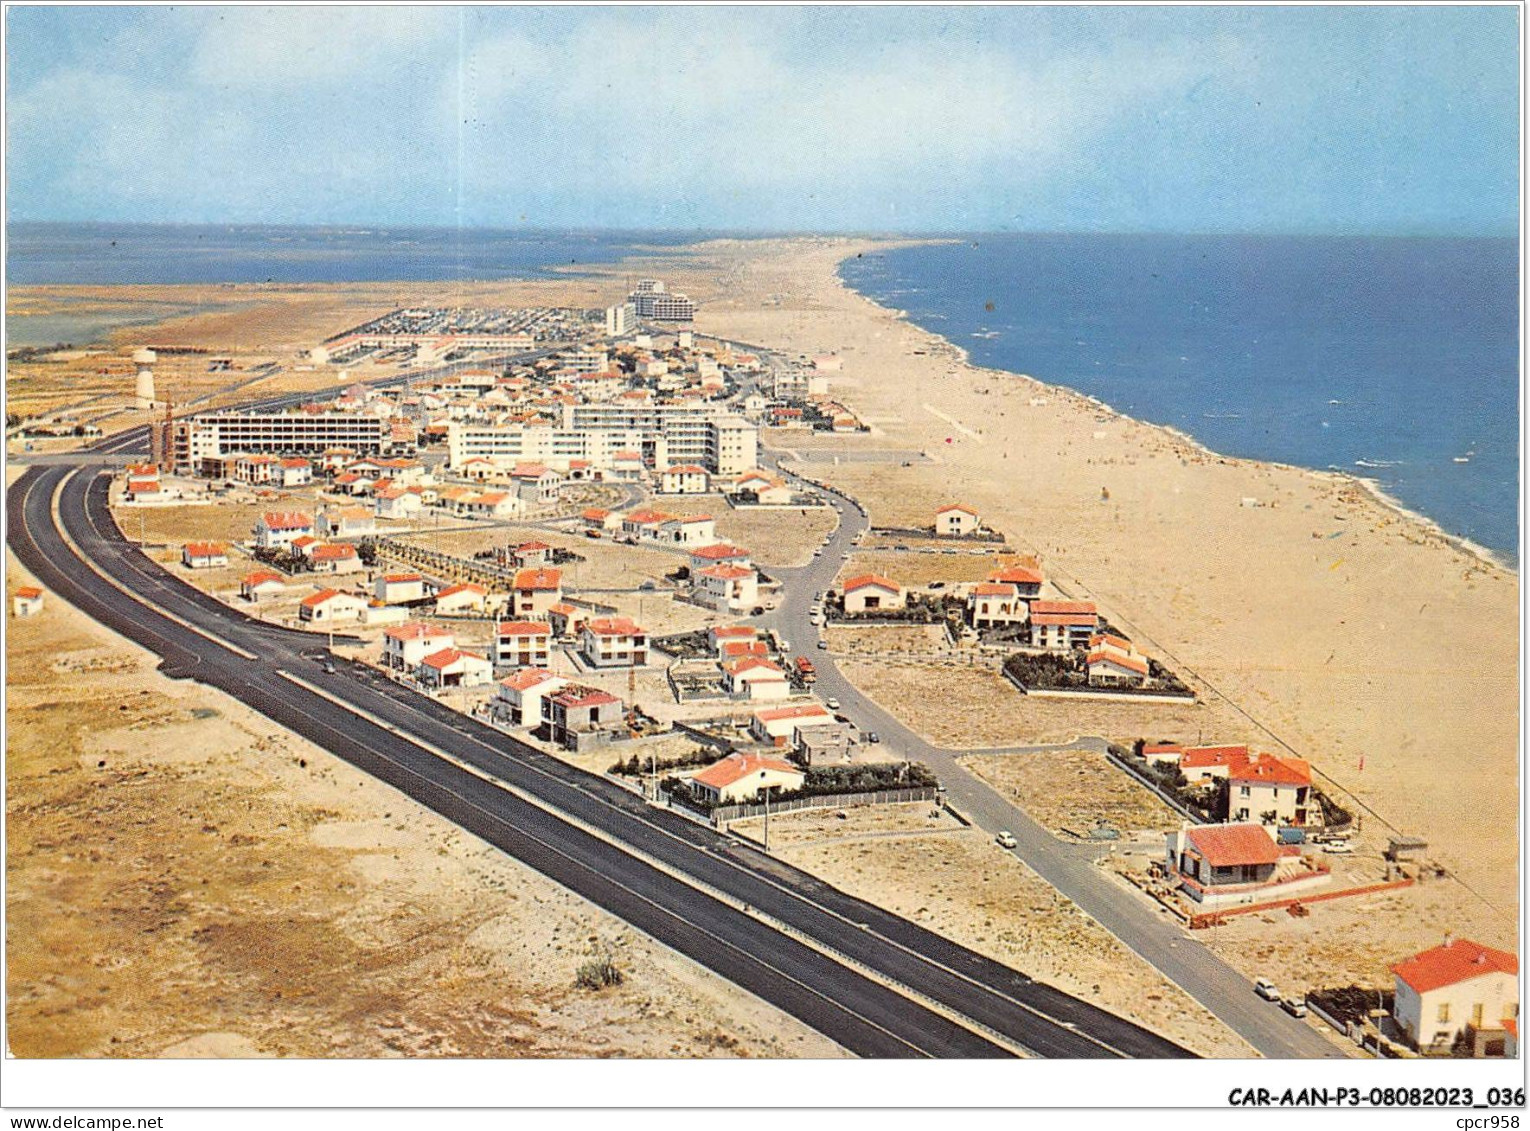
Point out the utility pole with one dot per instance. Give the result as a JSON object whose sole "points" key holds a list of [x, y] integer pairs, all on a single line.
{"points": [[766, 791]]}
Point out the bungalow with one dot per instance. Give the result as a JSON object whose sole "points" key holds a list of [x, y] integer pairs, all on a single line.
{"points": [[718, 635], [871, 592], [26, 601], [204, 555], [295, 471], [727, 588], [1110, 667], [751, 481], [535, 485], [331, 605], [477, 469], [718, 553], [1459, 989], [531, 554], [1271, 790], [145, 490], [304, 546], [521, 644], [612, 642], [755, 678], [597, 518], [335, 557], [1161, 753], [741, 649], [519, 695], [1061, 625], [1223, 865], [956, 520], [534, 591], [462, 597], [347, 522], [275, 530], [771, 493], [743, 777], [574, 713], [261, 583], [684, 479], [399, 588], [398, 503], [776, 724], [492, 504], [452, 667], [644, 525], [406, 645], [992, 603], [562, 619]]}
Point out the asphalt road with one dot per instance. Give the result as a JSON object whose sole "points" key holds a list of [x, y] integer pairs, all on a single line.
{"points": [[859, 1012], [1149, 931]]}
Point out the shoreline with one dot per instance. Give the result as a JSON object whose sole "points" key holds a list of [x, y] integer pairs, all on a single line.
{"points": [[1428, 527]]}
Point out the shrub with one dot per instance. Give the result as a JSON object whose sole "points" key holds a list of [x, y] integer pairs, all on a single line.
{"points": [[598, 974]]}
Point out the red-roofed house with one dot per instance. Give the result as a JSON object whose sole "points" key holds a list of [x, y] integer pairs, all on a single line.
{"points": [[1024, 578], [685, 479], [295, 471], [277, 529], [718, 553], [1460, 988], [726, 588], [742, 777], [1061, 625], [262, 583], [521, 644], [519, 695], [613, 642], [721, 634], [870, 592], [331, 605], [399, 588], [1115, 669], [1200, 762], [452, 667], [1272, 790], [465, 596], [405, 645], [956, 520], [598, 518], [691, 530], [995, 602], [347, 522], [1224, 865], [775, 724], [26, 601], [335, 557], [534, 591], [756, 678], [530, 554], [578, 716], [204, 555]]}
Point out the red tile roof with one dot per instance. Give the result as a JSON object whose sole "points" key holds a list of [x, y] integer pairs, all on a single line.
{"points": [[1456, 962], [261, 577], [446, 657], [734, 631], [1130, 663], [1195, 757], [994, 589], [523, 628], [1270, 769], [29, 592], [532, 547], [732, 649], [615, 626], [875, 579], [798, 711], [719, 551], [416, 630], [1225, 845], [726, 572], [206, 549], [462, 587], [286, 520], [1018, 575], [963, 507], [752, 663], [538, 579], [577, 695], [736, 767], [337, 552], [527, 678], [322, 596]]}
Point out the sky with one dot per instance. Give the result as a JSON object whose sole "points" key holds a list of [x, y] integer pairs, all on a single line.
{"points": [[1177, 119]]}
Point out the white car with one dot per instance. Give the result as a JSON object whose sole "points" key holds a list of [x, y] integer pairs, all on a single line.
{"points": [[1005, 839], [1339, 848], [833, 704], [1266, 989]]}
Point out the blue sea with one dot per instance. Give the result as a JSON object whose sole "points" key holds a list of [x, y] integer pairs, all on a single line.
{"points": [[1391, 358]]}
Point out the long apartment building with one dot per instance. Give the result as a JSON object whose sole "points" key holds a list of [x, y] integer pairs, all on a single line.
{"points": [[213, 435], [650, 300], [663, 435]]}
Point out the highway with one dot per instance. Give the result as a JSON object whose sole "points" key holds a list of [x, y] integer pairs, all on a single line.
{"points": [[776, 931], [1070, 868]]}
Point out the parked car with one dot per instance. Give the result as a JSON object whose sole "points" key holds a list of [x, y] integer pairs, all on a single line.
{"points": [[1266, 989], [833, 704], [1005, 839], [873, 737], [937, 585], [1339, 848], [1295, 1006], [823, 645]]}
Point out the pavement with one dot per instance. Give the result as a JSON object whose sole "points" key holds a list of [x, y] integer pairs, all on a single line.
{"points": [[876, 983], [1140, 924]]}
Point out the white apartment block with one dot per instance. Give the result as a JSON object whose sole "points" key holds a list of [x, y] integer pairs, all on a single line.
{"points": [[277, 433]]}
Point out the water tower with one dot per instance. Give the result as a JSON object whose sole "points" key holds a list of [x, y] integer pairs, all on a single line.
{"points": [[143, 388]]}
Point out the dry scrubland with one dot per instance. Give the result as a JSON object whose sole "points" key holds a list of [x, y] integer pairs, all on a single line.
{"points": [[1074, 789], [785, 537], [960, 884], [184, 878]]}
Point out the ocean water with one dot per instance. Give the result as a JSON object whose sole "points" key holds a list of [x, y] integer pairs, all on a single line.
{"points": [[1389, 358], [121, 254]]}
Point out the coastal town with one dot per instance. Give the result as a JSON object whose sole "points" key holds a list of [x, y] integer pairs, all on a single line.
{"points": [[631, 545]]}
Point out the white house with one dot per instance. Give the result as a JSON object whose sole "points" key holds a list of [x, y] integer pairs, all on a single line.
{"points": [[1272, 790], [1060, 625], [331, 605], [1460, 984], [452, 667], [347, 522], [727, 588], [493, 504], [612, 642], [521, 644], [756, 679], [769, 493], [519, 695], [295, 471], [397, 588], [870, 592], [1110, 668], [992, 603], [534, 591], [775, 724], [718, 553], [742, 777], [529, 555], [26, 601], [398, 503], [335, 557], [407, 644], [691, 530], [276, 530], [262, 583], [463, 597], [685, 479], [204, 555], [956, 520]]}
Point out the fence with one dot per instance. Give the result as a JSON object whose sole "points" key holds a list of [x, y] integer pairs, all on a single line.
{"points": [[725, 813], [1163, 795]]}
